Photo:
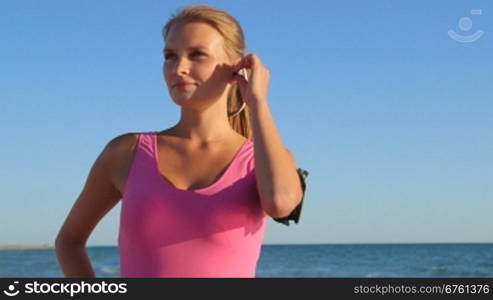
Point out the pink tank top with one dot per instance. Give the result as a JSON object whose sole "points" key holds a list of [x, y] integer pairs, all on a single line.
{"points": [[216, 231]]}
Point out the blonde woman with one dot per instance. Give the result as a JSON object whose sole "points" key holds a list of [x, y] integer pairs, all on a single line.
{"points": [[195, 197]]}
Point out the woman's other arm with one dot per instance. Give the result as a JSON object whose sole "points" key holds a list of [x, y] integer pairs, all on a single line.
{"points": [[97, 198]]}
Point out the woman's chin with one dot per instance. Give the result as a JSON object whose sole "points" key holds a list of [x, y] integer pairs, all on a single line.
{"points": [[182, 100]]}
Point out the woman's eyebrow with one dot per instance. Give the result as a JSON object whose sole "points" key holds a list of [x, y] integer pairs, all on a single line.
{"points": [[189, 48]]}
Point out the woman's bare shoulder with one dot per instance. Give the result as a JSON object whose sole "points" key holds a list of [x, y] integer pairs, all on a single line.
{"points": [[124, 142], [120, 148], [119, 152]]}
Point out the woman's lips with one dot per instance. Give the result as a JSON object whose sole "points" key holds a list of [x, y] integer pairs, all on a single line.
{"points": [[184, 86]]}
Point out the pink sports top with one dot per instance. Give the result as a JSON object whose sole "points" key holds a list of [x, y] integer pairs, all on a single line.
{"points": [[216, 231]]}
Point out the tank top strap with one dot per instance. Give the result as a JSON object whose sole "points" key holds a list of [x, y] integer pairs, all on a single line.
{"points": [[143, 162], [146, 144]]}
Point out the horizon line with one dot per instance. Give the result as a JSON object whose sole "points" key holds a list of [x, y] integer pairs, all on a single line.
{"points": [[50, 246]]}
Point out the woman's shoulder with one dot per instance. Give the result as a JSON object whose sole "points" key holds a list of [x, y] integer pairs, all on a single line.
{"points": [[125, 141], [119, 151], [122, 145]]}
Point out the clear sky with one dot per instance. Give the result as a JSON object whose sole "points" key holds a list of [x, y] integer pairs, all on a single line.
{"points": [[391, 116]]}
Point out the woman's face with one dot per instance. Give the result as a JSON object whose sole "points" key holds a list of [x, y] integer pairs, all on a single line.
{"points": [[194, 55]]}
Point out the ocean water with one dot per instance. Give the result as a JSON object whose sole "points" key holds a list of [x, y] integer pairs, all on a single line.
{"points": [[310, 260]]}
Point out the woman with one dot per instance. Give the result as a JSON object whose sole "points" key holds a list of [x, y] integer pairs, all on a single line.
{"points": [[195, 196]]}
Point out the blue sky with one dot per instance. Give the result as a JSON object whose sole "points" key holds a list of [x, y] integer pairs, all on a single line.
{"points": [[389, 114]]}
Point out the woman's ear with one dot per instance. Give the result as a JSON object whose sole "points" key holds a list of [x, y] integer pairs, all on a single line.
{"points": [[236, 63]]}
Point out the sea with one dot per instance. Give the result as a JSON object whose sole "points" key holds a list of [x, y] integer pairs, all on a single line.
{"points": [[299, 260]]}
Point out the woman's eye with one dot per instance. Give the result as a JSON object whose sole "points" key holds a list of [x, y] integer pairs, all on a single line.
{"points": [[194, 54]]}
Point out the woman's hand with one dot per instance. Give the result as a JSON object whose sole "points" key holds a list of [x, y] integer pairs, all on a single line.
{"points": [[255, 90]]}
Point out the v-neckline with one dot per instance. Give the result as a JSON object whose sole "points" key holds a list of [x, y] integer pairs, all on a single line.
{"points": [[210, 186]]}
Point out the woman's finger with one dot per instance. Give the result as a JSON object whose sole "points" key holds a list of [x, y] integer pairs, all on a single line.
{"points": [[245, 62]]}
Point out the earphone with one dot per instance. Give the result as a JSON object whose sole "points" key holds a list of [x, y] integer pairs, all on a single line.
{"points": [[245, 74]]}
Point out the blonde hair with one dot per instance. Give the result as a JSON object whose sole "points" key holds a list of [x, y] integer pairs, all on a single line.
{"points": [[234, 45]]}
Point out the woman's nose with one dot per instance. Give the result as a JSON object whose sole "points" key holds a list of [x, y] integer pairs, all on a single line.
{"points": [[182, 66]]}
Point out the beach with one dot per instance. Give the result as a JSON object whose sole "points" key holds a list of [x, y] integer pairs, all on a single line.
{"points": [[22, 247]]}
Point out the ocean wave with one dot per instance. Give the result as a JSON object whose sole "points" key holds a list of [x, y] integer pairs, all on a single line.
{"points": [[440, 270], [110, 270]]}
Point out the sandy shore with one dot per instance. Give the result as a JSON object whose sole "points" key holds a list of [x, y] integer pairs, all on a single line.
{"points": [[21, 247]]}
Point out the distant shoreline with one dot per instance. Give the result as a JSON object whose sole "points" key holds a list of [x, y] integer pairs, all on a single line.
{"points": [[25, 247]]}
